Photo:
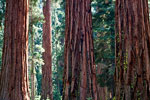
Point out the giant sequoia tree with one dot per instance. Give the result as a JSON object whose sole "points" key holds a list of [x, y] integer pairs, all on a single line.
{"points": [[79, 70], [14, 76], [132, 50], [47, 67]]}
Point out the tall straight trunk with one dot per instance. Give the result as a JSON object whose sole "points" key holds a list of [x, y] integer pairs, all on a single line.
{"points": [[79, 71], [47, 67], [14, 73], [132, 50]]}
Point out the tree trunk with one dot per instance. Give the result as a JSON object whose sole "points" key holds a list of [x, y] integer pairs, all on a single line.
{"points": [[132, 50], [47, 67], [79, 71], [14, 74]]}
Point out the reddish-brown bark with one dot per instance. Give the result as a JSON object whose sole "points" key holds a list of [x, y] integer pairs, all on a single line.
{"points": [[47, 57], [132, 50], [14, 73], [79, 71]]}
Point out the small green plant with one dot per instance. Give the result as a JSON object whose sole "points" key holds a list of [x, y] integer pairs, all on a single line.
{"points": [[114, 98], [89, 98]]}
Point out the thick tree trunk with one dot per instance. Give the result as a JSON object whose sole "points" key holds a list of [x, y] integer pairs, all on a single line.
{"points": [[79, 71], [132, 50], [47, 67], [14, 74]]}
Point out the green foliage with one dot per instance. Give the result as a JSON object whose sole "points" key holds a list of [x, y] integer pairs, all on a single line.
{"points": [[58, 26], [35, 30], [90, 98], [2, 12], [103, 28], [104, 39], [2, 17], [114, 98], [34, 2], [1, 43]]}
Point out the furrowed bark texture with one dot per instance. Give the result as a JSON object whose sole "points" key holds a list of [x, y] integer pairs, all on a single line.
{"points": [[47, 57], [79, 71], [132, 50], [14, 73]]}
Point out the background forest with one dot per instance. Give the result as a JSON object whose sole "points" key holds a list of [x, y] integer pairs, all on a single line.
{"points": [[103, 25]]}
